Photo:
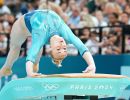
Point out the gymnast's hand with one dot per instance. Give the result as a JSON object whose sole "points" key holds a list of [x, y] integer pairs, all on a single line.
{"points": [[90, 69], [89, 59], [34, 75], [30, 71]]}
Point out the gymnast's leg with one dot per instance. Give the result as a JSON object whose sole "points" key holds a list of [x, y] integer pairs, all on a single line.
{"points": [[17, 38], [36, 64]]}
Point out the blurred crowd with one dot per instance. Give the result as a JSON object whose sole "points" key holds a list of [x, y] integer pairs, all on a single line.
{"points": [[98, 23]]}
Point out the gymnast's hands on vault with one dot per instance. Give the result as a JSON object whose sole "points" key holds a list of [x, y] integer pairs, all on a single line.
{"points": [[87, 56], [91, 65]]}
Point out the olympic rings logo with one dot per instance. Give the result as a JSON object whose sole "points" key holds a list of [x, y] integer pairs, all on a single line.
{"points": [[49, 87]]}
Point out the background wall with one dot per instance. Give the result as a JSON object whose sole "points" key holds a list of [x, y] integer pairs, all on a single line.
{"points": [[110, 64]]}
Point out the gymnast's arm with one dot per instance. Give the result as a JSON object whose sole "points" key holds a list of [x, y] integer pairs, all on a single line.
{"points": [[68, 35], [38, 40], [37, 44]]}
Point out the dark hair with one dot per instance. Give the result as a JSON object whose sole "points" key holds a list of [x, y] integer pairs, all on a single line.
{"points": [[115, 15], [30, 1]]}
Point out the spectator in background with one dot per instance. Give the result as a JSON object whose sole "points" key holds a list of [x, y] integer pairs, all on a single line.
{"points": [[90, 4], [64, 6], [15, 7], [82, 22], [113, 18], [100, 18], [29, 5], [127, 8], [124, 18], [127, 44], [3, 45], [100, 4], [71, 4], [118, 33], [1, 28], [113, 43], [5, 23], [74, 18], [111, 47], [8, 22], [34, 4], [122, 3], [85, 35], [4, 8], [93, 43], [82, 4], [45, 4], [110, 8], [86, 19], [11, 19]]}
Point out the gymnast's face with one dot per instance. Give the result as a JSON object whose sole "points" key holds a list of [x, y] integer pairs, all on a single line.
{"points": [[58, 48]]}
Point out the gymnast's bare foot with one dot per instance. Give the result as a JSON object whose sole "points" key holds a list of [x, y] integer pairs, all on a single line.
{"points": [[5, 71]]}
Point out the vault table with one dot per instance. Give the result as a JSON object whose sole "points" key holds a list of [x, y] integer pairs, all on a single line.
{"points": [[65, 84]]}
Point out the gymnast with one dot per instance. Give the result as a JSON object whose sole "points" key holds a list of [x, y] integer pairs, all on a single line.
{"points": [[45, 27]]}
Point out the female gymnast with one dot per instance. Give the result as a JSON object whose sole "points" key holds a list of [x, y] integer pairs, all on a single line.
{"points": [[45, 26]]}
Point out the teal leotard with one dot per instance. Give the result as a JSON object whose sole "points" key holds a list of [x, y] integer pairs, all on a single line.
{"points": [[43, 24]]}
